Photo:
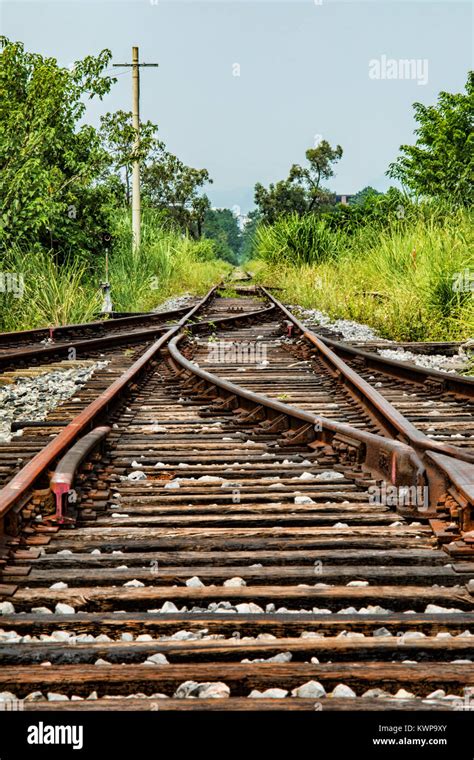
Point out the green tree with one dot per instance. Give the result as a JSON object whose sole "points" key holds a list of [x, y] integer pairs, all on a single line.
{"points": [[170, 185], [118, 138], [302, 192], [367, 193], [49, 164], [280, 199], [369, 207], [221, 226], [167, 183], [441, 163], [320, 160], [249, 233]]}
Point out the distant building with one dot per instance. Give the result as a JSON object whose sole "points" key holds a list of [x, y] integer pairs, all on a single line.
{"points": [[343, 199], [243, 220]]}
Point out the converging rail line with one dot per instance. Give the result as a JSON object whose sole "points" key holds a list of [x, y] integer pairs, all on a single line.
{"points": [[239, 508]]}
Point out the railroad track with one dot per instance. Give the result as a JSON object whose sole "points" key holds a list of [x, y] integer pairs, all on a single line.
{"points": [[42, 345], [46, 344], [111, 355], [232, 532]]}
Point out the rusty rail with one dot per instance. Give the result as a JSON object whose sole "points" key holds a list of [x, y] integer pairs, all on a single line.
{"points": [[63, 476], [397, 461], [384, 457], [8, 358], [101, 326], [24, 480], [390, 418], [90, 416], [452, 383]]}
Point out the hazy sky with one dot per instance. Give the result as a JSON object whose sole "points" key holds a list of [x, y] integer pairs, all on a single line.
{"points": [[304, 72]]}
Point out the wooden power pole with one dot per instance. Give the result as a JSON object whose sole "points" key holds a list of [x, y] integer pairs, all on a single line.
{"points": [[136, 205]]}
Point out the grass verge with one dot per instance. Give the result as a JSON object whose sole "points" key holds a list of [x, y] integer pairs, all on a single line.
{"points": [[409, 282], [167, 264]]}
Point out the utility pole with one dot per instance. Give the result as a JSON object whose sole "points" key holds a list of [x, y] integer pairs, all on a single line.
{"points": [[136, 205]]}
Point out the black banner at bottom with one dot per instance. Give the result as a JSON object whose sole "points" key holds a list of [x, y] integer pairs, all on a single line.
{"points": [[134, 734]]}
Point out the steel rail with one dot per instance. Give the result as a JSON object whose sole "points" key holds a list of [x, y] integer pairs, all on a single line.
{"points": [[461, 476], [389, 459], [25, 479], [63, 476], [39, 333], [448, 382], [400, 461], [8, 358], [397, 461], [392, 420]]}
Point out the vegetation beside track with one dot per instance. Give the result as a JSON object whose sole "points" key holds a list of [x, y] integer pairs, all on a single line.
{"points": [[400, 261], [405, 279], [65, 201], [168, 264]]}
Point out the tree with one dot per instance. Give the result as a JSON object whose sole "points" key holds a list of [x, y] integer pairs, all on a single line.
{"points": [[320, 161], [249, 232], [167, 183], [301, 193], [369, 207], [171, 185], [279, 200], [367, 193], [118, 138], [221, 226], [49, 164], [199, 206], [441, 163]]}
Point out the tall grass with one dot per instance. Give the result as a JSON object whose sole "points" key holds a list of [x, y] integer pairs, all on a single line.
{"points": [[399, 279], [168, 263], [51, 295], [297, 240]]}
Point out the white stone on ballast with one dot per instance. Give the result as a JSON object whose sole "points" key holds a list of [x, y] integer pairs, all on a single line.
{"points": [[168, 607], [268, 694], [341, 691], [235, 582], [304, 500], [157, 659], [194, 582], [403, 694], [437, 608], [382, 632], [309, 690], [61, 636], [64, 609], [329, 475]]}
